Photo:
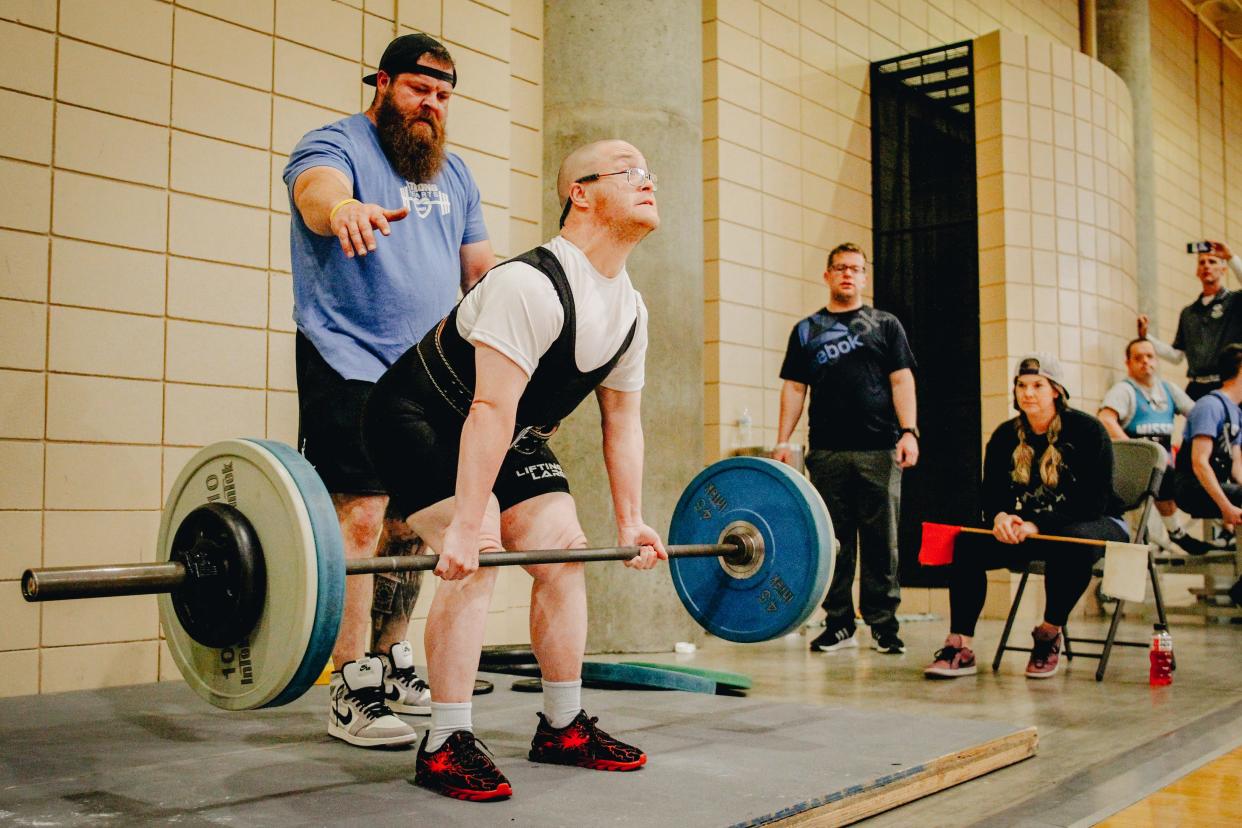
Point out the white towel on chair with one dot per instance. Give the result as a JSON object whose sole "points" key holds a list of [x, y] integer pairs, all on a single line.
{"points": [[1125, 571]]}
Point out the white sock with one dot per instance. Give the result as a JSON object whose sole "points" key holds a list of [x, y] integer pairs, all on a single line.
{"points": [[1173, 524], [447, 717], [561, 701]]}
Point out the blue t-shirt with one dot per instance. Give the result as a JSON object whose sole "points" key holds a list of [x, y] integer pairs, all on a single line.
{"points": [[1218, 417], [363, 313]]}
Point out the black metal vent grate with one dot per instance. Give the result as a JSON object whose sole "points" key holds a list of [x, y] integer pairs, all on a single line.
{"points": [[943, 74]]}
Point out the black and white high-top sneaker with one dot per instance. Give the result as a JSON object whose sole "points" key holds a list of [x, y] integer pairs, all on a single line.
{"points": [[356, 710], [403, 689]]}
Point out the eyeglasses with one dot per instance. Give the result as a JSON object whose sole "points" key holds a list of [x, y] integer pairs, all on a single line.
{"points": [[857, 270], [636, 176]]}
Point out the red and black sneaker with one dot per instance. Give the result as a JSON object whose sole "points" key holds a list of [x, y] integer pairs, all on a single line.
{"points": [[583, 744], [461, 770]]}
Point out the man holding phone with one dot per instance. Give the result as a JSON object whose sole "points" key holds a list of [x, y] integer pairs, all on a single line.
{"points": [[1207, 324]]}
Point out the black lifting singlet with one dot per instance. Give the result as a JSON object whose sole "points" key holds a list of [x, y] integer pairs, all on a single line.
{"points": [[555, 388]]}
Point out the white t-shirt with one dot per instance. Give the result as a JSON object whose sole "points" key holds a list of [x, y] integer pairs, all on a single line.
{"points": [[515, 310]]}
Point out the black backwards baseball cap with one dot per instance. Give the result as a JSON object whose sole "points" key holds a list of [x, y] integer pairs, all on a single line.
{"points": [[402, 56]]}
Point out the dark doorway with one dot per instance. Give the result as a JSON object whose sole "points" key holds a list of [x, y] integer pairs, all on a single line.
{"points": [[927, 273]]}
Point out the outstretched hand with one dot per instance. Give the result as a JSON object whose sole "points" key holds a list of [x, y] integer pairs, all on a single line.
{"points": [[353, 225]]}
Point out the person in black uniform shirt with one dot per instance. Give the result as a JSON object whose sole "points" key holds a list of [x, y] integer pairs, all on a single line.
{"points": [[1205, 325], [457, 428], [858, 366], [1047, 471]]}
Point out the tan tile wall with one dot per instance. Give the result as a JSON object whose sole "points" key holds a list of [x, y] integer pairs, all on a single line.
{"points": [[144, 229], [787, 172], [1196, 89], [1056, 216]]}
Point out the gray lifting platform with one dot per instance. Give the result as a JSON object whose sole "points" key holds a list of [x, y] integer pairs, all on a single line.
{"points": [[157, 754]]}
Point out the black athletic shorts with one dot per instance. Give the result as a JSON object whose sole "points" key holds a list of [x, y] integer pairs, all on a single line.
{"points": [[416, 457], [330, 424], [1194, 500]]}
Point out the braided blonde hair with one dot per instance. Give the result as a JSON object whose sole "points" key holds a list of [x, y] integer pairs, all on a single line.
{"points": [[1023, 455]]}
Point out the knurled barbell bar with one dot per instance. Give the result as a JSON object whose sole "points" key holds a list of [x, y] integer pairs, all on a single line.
{"points": [[250, 569]]}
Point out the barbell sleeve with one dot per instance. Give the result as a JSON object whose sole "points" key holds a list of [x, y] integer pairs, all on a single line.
{"points": [[65, 583]]}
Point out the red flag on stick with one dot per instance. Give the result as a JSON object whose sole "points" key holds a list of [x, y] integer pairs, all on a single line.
{"points": [[937, 546]]}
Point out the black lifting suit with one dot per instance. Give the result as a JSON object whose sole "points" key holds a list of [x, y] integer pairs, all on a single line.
{"points": [[414, 418]]}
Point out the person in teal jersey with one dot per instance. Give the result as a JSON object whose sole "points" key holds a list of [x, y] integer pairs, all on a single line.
{"points": [[1143, 407], [386, 228]]}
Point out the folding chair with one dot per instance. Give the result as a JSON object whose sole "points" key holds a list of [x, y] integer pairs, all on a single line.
{"points": [[1138, 466]]}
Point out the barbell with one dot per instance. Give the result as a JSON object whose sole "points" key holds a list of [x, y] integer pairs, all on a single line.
{"points": [[250, 566]]}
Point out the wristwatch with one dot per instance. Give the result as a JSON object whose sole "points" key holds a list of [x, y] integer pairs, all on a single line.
{"points": [[911, 430]]}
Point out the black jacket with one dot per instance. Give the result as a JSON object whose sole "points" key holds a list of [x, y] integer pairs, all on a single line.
{"points": [[1084, 491]]}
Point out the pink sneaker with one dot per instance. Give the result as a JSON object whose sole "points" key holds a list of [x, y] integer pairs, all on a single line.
{"points": [[1045, 656], [952, 660]]}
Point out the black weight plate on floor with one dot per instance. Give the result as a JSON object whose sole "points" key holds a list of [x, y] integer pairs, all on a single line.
{"points": [[528, 685], [507, 654]]}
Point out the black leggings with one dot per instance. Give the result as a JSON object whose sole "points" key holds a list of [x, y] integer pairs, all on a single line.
{"points": [[1067, 569]]}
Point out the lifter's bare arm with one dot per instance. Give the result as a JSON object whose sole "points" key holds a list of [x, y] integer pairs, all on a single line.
{"points": [[485, 438], [621, 422], [320, 189]]}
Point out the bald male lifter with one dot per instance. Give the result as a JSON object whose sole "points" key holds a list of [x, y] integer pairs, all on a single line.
{"points": [[458, 431]]}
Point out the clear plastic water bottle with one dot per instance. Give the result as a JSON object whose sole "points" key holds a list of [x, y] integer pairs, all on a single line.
{"points": [[745, 435], [1161, 657]]}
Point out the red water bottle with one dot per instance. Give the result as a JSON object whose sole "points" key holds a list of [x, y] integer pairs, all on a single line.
{"points": [[1161, 657]]}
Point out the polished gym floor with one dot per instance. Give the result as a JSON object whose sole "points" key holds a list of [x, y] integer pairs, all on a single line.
{"points": [[155, 754], [1102, 746]]}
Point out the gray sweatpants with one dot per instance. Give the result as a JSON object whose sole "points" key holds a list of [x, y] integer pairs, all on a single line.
{"points": [[862, 490]]}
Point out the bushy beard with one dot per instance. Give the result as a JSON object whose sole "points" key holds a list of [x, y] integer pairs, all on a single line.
{"points": [[416, 153]]}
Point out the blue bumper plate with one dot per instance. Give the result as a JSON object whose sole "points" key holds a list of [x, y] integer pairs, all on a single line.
{"points": [[329, 566], [775, 593]]}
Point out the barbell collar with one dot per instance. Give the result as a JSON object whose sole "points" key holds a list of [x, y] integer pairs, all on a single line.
{"points": [[70, 582]]}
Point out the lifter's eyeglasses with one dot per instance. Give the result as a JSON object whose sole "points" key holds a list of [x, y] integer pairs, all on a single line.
{"points": [[636, 176]]}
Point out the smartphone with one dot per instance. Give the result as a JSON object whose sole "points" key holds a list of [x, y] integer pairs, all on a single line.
{"points": [[1199, 247]]}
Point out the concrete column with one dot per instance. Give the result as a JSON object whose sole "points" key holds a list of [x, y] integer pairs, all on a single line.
{"points": [[632, 69], [1123, 33]]}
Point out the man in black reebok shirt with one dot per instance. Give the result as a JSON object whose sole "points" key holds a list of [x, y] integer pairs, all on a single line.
{"points": [[858, 366]]}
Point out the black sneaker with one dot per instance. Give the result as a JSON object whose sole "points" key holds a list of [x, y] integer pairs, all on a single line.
{"points": [[887, 642], [1190, 544], [834, 638], [461, 769], [583, 744]]}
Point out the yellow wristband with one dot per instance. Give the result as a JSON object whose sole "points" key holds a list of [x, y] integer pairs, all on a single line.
{"points": [[339, 205]]}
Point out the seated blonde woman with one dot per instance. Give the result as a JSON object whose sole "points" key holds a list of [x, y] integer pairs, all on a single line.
{"points": [[1049, 471]]}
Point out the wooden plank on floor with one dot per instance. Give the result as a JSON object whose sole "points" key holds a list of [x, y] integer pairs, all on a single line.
{"points": [[853, 804]]}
